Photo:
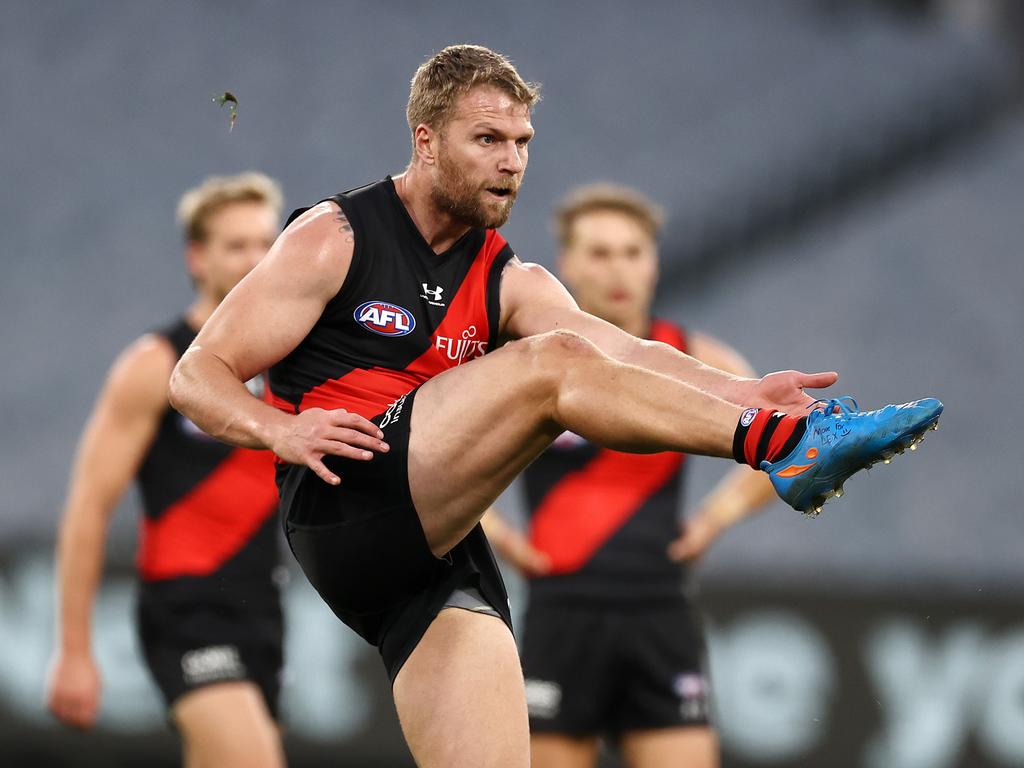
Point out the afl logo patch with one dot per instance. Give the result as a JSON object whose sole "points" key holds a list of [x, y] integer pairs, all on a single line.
{"points": [[384, 318], [748, 417]]}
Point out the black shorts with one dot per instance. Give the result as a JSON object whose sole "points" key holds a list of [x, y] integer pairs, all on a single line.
{"points": [[592, 670], [363, 549], [192, 643]]}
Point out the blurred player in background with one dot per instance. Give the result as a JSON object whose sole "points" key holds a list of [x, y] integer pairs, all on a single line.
{"points": [[611, 645], [209, 612]]}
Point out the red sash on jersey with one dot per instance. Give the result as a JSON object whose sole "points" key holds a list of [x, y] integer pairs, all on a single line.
{"points": [[196, 535], [585, 508]]}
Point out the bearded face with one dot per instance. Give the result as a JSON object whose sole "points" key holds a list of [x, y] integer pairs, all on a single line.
{"points": [[477, 199]]}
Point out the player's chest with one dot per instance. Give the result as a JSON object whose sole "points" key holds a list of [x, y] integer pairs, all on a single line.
{"points": [[412, 312]]}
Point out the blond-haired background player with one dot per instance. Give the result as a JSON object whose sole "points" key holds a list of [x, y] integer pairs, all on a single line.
{"points": [[209, 614], [611, 644]]}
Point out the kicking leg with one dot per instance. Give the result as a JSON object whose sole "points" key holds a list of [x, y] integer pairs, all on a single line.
{"points": [[475, 427], [460, 696]]}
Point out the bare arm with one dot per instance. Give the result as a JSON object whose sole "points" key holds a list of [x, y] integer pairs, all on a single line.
{"points": [[741, 492], [263, 319], [534, 302], [118, 434]]}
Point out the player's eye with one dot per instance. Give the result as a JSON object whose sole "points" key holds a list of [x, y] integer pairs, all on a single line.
{"points": [[486, 139], [522, 142]]}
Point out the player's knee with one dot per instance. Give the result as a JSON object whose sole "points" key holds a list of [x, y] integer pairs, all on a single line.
{"points": [[555, 349]]}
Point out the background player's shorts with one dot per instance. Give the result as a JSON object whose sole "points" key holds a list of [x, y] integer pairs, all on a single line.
{"points": [[363, 549], [594, 670], [192, 644]]}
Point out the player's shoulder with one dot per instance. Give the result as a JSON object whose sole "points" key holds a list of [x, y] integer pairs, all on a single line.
{"points": [[527, 271], [375, 195], [140, 374], [315, 221], [150, 353], [319, 242]]}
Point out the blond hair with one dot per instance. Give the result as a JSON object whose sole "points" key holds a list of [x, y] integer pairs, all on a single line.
{"points": [[607, 197], [200, 203], [448, 74]]}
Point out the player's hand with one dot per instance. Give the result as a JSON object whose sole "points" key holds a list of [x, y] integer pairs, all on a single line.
{"points": [[784, 390], [697, 535], [309, 436], [73, 690], [517, 550]]}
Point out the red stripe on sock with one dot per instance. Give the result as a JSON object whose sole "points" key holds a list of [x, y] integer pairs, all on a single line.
{"points": [[782, 433]]}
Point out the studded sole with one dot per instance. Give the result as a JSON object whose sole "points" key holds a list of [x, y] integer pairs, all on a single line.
{"points": [[911, 442]]}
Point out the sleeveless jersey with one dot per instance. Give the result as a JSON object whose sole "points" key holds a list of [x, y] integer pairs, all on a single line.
{"points": [[208, 507], [403, 315], [605, 518]]}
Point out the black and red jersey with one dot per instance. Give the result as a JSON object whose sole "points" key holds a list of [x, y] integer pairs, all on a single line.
{"points": [[605, 518], [208, 507], [403, 315]]}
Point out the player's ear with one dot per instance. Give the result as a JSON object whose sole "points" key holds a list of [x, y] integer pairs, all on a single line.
{"points": [[425, 142]]}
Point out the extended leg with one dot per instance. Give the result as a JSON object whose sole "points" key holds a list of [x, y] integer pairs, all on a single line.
{"points": [[475, 427]]}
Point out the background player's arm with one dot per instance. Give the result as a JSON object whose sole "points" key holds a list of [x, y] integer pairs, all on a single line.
{"points": [[534, 302], [513, 546], [120, 430], [737, 495], [263, 319]]}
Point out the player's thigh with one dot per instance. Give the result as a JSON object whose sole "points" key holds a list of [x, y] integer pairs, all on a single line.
{"points": [[553, 750], [475, 427], [227, 725], [692, 746], [460, 697]]}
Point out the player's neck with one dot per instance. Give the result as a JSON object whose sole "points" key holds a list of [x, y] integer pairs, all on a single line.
{"points": [[438, 228], [200, 310]]}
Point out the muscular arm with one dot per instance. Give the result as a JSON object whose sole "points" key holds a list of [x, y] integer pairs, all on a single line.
{"points": [[534, 302], [118, 434], [262, 320]]}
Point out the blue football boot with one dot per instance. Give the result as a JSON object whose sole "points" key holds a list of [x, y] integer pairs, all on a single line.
{"points": [[840, 441]]}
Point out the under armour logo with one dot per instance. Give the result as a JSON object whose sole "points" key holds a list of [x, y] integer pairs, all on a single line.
{"points": [[434, 293]]}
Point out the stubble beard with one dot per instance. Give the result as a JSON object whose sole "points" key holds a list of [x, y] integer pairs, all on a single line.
{"points": [[456, 196]]}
